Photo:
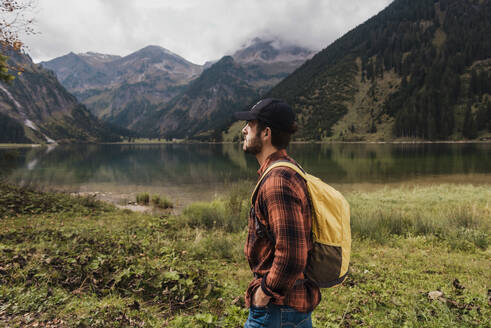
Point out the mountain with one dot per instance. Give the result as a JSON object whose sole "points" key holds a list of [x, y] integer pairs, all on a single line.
{"points": [[271, 51], [122, 89], [204, 109], [36, 108], [205, 106], [420, 69], [270, 61], [83, 71]]}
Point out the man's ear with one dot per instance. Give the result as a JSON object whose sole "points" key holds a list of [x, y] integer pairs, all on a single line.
{"points": [[267, 132]]}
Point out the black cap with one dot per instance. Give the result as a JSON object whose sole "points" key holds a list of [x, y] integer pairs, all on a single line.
{"points": [[274, 112]]}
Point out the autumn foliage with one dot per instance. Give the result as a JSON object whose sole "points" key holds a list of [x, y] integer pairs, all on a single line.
{"points": [[14, 22]]}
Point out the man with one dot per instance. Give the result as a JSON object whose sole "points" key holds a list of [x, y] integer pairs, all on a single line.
{"points": [[280, 236]]}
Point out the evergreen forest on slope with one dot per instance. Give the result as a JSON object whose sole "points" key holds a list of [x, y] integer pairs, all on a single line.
{"points": [[419, 69]]}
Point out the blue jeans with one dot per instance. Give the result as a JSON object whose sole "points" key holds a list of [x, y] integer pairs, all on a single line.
{"points": [[277, 316]]}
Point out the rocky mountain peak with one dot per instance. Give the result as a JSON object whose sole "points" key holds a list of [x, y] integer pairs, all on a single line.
{"points": [[271, 50], [157, 54], [94, 57]]}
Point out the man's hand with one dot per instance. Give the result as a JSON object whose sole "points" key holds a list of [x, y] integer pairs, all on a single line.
{"points": [[260, 299]]}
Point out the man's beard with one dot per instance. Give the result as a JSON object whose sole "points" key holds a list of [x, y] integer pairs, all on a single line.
{"points": [[255, 145]]}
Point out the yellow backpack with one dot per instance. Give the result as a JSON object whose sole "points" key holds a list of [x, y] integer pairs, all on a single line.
{"points": [[328, 261]]}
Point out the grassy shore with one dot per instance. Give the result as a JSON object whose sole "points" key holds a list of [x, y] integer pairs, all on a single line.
{"points": [[13, 145], [420, 258]]}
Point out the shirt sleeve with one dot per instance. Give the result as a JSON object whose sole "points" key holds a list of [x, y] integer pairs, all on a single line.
{"points": [[285, 199]]}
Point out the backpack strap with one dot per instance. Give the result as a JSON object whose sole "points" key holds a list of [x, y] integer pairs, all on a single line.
{"points": [[295, 167], [260, 228]]}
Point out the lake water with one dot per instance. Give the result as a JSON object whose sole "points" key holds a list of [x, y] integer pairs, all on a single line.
{"points": [[191, 172]]}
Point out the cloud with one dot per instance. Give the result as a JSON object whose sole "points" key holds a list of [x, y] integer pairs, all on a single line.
{"points": [[197, 30]]}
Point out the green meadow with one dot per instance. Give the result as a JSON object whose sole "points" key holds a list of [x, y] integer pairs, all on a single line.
{"points": [[420, 258]]}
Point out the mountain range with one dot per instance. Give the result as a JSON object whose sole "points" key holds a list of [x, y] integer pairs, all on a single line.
{"points": [[155, 84], [420, 69], [119, 90]]}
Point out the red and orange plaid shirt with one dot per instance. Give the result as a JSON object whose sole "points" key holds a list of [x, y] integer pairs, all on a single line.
{"points": [[283, 207]]}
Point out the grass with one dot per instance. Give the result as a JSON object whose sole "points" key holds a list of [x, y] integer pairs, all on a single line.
{"points": [[77, 262], [143, 198], [14, 145], [457, 215], [161, 202], [158, 201], [16, 201]]}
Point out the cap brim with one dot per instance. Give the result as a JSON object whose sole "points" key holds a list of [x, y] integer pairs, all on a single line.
{"points": [[245, 116]]}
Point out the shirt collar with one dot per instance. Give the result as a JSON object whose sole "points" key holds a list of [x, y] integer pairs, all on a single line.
{"points": [[272, 158]]}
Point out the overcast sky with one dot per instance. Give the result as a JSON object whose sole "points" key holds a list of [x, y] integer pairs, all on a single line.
{"points": [[198, 30]]}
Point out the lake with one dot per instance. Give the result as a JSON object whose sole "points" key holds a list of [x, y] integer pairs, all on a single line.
{"points": [[191, 172]]}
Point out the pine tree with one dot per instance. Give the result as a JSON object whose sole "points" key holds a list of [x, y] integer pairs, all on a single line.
{"points": [[469, 130], [373, 128]]}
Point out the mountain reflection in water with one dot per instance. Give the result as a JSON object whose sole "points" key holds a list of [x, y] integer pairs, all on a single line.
{"points": [[211, 167]]}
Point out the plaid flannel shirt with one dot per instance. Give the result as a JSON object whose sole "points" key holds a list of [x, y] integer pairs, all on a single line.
{"points": [[283, 207]]}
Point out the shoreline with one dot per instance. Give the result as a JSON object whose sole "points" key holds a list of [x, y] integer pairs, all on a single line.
{"points": [[15, 145], [182, 197]]}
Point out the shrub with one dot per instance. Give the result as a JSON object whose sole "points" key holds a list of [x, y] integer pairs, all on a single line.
{"points": [[230, 213], [219, 245], [161, 202], [205, 215], [143, 198]]}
